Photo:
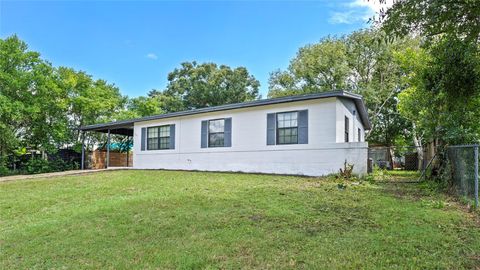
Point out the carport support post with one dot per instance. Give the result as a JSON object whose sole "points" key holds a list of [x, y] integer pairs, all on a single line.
{"points": [[83, 151], [476, 176], [128, 147], [107, 163]]}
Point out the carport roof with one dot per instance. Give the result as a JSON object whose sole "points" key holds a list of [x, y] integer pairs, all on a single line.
{"points": [[125, 127]]}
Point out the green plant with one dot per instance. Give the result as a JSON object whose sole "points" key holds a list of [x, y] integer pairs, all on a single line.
{"points": [[437, 204], [3, 168], [347, 171], [341, 186], [369, 178], [380, 174], [38, 165]]}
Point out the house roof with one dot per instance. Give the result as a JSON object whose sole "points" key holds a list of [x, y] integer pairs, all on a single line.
{"points": [[123, 127]]}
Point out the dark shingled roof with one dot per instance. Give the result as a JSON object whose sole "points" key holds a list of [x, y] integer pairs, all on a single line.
{"points": [[123, 125]]}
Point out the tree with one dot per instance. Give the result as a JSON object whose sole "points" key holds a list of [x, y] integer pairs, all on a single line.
{"points": [[202, 85], [168, 103], [140, 107], [443, 94], [442, 98], [316, 68], [432, 18], [374, 74], [90, 101], [360, 63], [32, 111]]}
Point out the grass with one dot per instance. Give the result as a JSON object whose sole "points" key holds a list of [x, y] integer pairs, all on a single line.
{"points": [[192, 220]]}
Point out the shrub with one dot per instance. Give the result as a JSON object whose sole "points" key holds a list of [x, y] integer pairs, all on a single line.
{"points": [[38, 165], [4, 171]]}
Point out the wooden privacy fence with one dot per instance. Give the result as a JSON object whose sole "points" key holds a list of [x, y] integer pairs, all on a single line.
{"points": [[117, 159]]}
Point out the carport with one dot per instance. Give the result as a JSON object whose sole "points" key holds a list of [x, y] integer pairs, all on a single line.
{"points": [[124, 128]]}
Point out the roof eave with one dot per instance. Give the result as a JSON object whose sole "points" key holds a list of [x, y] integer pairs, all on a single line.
{"points": [[264, 102]]}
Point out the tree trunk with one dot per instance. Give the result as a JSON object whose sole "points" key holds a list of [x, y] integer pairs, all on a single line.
{"points": [[417, 141], [391, 154]]}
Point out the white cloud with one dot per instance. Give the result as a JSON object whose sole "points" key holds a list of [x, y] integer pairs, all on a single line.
{"points": [[357, 11], [373, 5], [152, 56], [342, 18]]}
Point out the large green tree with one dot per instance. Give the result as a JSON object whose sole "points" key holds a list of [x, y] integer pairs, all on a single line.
{"points": [[317, 67], [89, 101], [432, 18], [41, 107], [442, 78], [32, 104], [358, 62], [201, 85], [443, 94]]}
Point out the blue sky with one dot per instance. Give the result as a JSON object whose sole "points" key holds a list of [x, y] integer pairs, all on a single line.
{"points": [[134, 44]]}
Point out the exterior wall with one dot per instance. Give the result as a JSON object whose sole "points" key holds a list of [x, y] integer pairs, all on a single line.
{"points": [[249, 151], [346, 107]]}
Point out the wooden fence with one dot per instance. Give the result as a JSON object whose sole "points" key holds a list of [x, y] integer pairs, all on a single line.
{"points": [[117, 159]]}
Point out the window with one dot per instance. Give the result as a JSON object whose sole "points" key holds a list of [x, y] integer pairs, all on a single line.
{"points": [[287, 128], [216, 133], [359, 135], [347, 128], [158, 138]]}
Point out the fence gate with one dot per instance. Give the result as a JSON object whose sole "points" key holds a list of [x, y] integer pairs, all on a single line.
{"points": [[398, 158]]}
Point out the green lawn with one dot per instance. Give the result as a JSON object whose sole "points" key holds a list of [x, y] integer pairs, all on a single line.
{"points": [[162, 219]]}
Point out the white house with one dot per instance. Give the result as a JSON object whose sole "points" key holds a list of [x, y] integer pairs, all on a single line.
{"points": [[306, 135]]}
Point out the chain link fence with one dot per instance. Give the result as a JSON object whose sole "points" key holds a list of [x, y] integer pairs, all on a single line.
{"points": [[462, 168], [397, 158], [457, 165]]}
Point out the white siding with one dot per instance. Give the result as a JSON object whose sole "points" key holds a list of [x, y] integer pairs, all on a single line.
{"points": [[323, 154], [346, 107]]}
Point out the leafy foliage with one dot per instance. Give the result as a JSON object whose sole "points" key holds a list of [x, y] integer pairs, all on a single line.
{"points": [[32, 104], [202, 85], [316, 68], [38, 165], [359, 62], [433, 18], [90, 101], [41, 107], [443, 94]]}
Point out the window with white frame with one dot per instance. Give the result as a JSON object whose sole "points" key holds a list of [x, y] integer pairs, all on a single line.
{"points": [[287, 128], [216, 133], [158, 138]]}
